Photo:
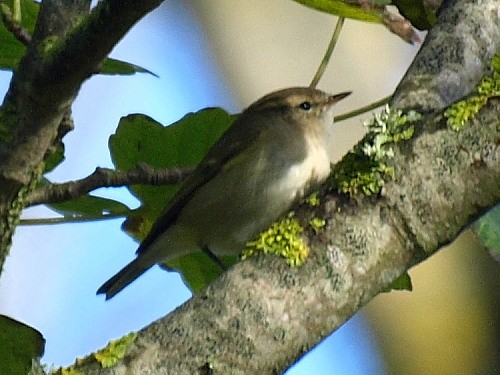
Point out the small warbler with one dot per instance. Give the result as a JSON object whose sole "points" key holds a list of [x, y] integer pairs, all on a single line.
{"points": [[276, 151]]}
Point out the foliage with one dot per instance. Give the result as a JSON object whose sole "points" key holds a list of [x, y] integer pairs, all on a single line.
{"points": [[19, 345]]}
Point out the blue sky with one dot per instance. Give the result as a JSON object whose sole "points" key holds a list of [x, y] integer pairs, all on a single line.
{"points": [[53, 272]]}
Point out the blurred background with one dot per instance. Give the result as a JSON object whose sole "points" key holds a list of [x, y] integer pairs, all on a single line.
{"points": [[228, 54]]}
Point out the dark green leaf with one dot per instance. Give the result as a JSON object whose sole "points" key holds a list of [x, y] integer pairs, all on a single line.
{"points": [[89, 205], [19, 344], [11, 50], [113, 66], [54, 159], [487, 229]]}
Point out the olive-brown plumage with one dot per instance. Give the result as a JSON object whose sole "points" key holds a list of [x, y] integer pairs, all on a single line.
{"points": [[275, 152]]}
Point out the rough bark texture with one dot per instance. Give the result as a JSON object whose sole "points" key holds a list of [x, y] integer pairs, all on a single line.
{"points": [[261, 315]]}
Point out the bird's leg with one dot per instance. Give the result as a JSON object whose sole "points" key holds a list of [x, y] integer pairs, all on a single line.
{"points": [[213, 258]]}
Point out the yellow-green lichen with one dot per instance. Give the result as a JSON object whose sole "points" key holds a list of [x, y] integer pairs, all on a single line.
{"points": [[317, 224], [460, 112], [282, 238], [313, 200], [49, 44], [115, 351], [67, 371], [365, 168]]}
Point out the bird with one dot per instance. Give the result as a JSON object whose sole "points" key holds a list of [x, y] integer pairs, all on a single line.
{"points": [[276, 151]]}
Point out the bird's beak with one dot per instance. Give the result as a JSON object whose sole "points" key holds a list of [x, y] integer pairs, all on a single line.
{"points": [[338, 97]]}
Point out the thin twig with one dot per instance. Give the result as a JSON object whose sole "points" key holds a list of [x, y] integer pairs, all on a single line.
{"points": [[328, 53], [103, 177], [364, 109]]}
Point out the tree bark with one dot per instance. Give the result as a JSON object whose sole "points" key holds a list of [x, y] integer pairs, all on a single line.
{"points": [[261, 315]]}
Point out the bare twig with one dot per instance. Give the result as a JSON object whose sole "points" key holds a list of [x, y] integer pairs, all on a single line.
{"points": [[400, 26], [103, 177]]}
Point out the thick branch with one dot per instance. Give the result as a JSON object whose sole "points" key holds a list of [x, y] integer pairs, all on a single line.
{"points": [[103, 177], [261, 315], [455, 55]]}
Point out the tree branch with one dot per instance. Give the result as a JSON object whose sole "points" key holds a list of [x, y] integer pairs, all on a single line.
{"points": [[44, 86], [456, 53], [261, 315], [103, 177]]}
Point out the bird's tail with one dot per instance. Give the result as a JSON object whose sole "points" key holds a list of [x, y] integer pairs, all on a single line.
{"points": [[124, 277]]}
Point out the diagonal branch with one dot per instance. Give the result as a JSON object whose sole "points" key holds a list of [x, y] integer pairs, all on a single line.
{"points": [[103, 177], [261, 315]]}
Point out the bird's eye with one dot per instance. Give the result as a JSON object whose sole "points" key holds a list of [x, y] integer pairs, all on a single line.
{"points": [[306, 106]]}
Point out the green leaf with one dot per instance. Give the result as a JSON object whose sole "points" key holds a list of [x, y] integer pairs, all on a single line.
{"points": [[342, 8], [19, 344], [89, 206], [487, 230], [12, 50], [416, 12], [140, 139], [113, 67], [54, 159]]}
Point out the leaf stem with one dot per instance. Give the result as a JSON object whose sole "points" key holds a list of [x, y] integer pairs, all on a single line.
{"points": [[328, 53], [364, 109]]}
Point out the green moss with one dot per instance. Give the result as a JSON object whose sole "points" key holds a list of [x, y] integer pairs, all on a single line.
{"points": [[460, 112], [283, 239], [116, 349], [365, 169]]}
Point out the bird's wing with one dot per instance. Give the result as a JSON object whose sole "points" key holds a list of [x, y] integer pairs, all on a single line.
{"points": [[229, 146]]}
